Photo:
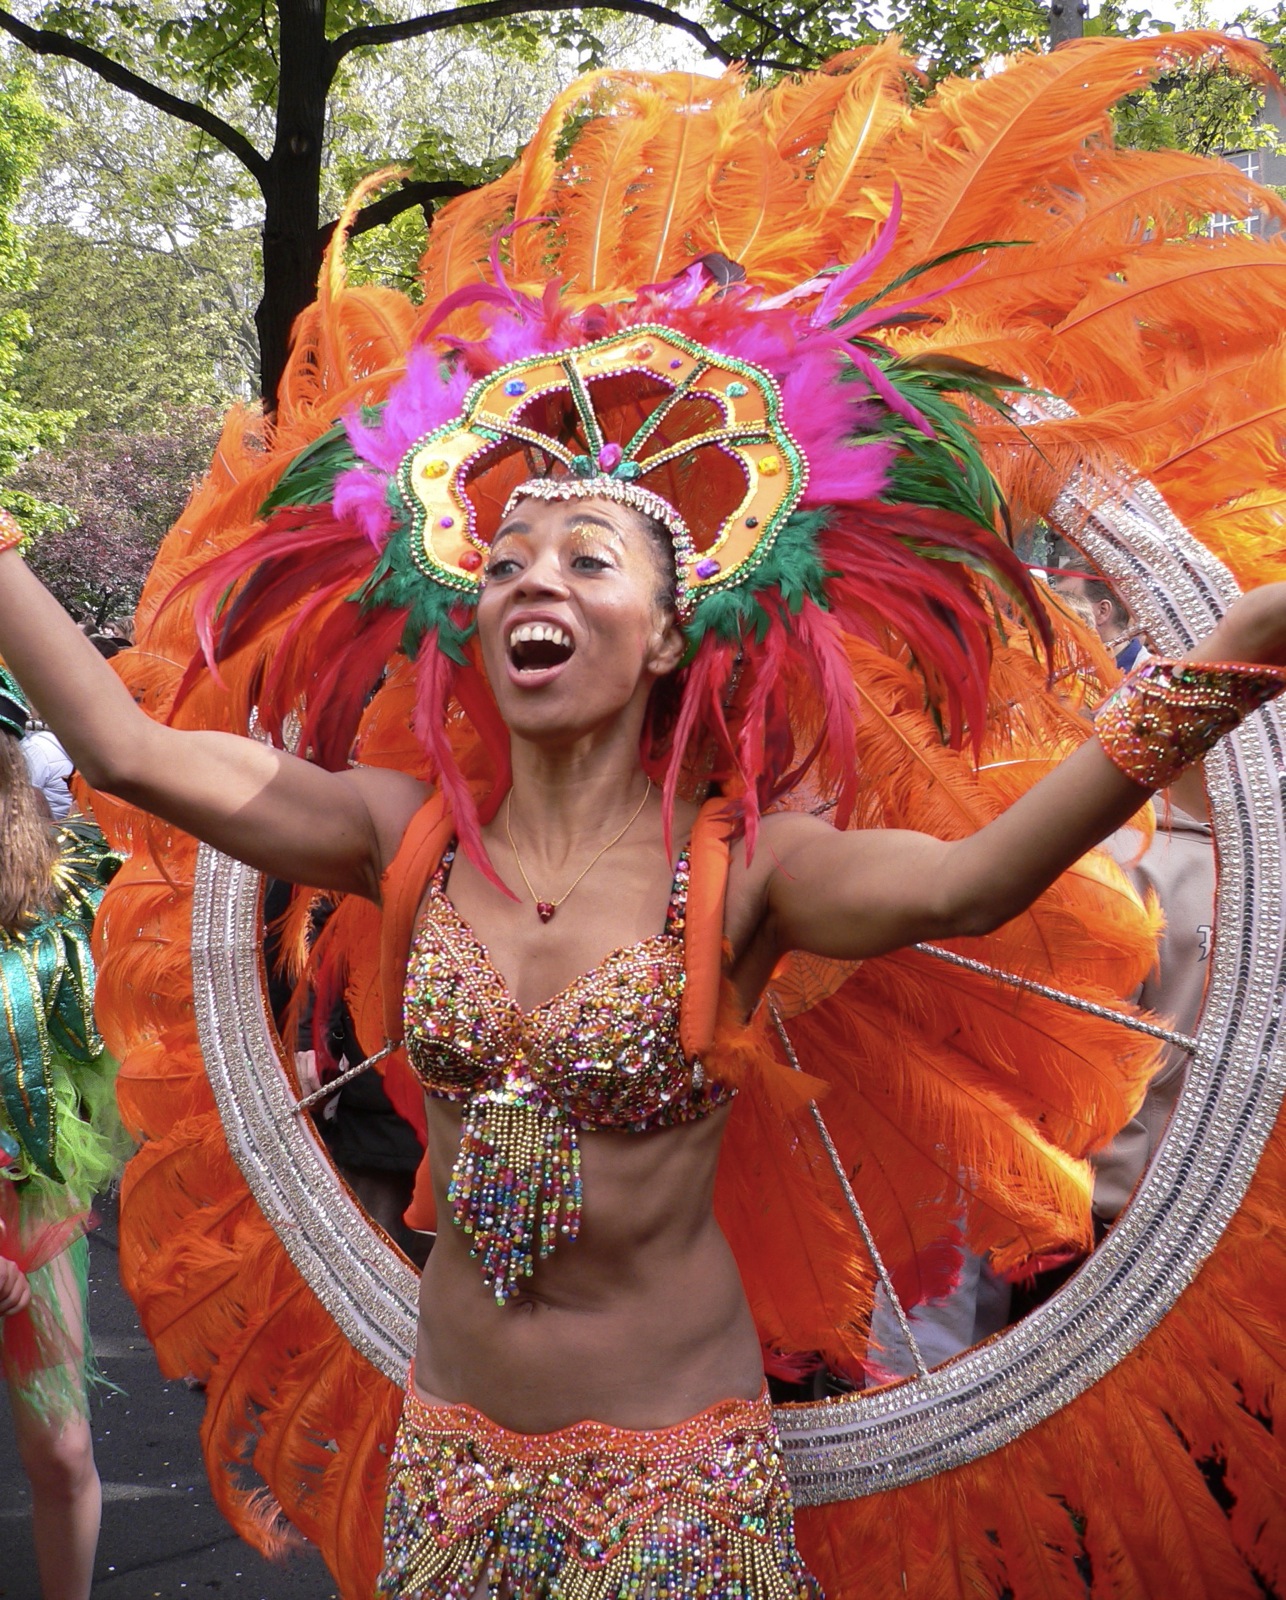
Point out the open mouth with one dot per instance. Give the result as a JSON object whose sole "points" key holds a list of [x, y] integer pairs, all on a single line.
{"points": [[537, 646]]}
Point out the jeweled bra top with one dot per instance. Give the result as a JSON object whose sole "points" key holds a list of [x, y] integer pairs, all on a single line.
{"points": [[602, 1053]]}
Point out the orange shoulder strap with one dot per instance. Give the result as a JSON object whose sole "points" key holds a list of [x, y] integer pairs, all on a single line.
{"points": [[404, 882], [703, 929]]}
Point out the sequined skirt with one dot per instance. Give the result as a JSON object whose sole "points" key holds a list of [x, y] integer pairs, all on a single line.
{"points": [[701, 1509]]}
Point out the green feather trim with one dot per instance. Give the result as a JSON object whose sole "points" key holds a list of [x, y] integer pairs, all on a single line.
{"points": [[398, 582], [918, 271], [946, 471], [792, 566]]}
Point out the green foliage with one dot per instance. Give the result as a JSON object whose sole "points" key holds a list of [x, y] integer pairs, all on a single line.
{"points": [[24, 429], [120, 493], [1199, 106], [222, 46], [147, 263]]}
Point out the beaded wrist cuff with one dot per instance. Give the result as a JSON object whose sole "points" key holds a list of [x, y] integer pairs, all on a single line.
{"points": [[11, 534], [1168, 713]]}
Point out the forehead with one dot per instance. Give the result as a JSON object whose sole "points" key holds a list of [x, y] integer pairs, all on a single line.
{"points": [[545, 517]]}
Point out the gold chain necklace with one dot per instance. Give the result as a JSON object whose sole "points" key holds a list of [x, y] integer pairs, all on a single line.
{"points": [[546, 908]]}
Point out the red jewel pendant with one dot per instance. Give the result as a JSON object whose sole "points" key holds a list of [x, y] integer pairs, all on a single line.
{"points": [[545, 909]]}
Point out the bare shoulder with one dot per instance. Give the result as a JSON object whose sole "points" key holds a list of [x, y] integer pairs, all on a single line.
{"points": [[781, 836], [391, 799]]}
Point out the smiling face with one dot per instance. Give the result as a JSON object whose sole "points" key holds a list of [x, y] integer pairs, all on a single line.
{"points": [[573, 619]]}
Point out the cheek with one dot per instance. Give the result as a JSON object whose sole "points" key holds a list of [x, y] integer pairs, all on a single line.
{"points": [[488, 618]]}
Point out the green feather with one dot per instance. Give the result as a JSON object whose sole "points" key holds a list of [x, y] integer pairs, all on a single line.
{"points": [[792, 566], [309, 480], [397, 582], [920, 269]]}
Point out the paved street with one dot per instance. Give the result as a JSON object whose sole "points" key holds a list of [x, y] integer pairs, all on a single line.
{"points": [[161, 1534]]}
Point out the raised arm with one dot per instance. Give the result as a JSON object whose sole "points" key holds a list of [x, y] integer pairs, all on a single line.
{"points": [[280, 814], [860, 894]]}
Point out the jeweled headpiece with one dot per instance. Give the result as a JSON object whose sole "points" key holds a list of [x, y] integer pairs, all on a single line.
{"points": [[815, 487], [689, 436]]}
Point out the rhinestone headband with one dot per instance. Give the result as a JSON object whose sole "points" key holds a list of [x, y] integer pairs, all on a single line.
{"points": [[604, 487]]}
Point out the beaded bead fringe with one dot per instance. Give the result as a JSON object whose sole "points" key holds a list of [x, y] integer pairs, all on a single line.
{"points": [[516, 1184], [591, 1512]]}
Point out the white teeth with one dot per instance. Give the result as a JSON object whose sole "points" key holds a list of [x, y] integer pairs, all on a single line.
{"points": [[534, 632]]}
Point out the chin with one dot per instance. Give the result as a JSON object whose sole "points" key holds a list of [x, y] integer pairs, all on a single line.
{"points": [[560, 709]]}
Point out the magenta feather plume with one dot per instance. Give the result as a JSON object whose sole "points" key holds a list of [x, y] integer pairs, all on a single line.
{"points": [[431, 394]]}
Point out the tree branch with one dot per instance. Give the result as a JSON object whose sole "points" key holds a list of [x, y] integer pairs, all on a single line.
{"points": [[45, 42], [419, 192], [379, 33]]}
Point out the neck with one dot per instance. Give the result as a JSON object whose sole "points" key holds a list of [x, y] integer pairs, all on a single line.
{"points": [[566, 800]]}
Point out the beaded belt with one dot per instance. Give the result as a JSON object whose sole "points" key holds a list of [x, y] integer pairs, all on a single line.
{"points": [[590, 1512]]}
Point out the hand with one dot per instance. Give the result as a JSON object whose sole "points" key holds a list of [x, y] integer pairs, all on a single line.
{"points": [[1253, 631], [306, 1072], [15, 1291]]}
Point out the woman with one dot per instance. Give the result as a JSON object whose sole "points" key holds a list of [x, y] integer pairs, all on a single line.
{"points": [[59, 1145], [664, 514]]}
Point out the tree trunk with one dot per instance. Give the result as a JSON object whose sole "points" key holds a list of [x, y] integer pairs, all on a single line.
{"points": [[292, 186], [1067, 20]]}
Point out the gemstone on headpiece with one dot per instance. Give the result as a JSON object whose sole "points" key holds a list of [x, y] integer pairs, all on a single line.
{"points": [[435, 467], [736, 390], [707, 567], [583, 467], [752, 522], [770, 466], [515, 386], [470, 560], [610, 456], [446, 522]]}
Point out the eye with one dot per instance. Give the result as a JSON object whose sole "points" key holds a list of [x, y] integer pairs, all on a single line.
{"points": [[584, 560], [500, 567]]}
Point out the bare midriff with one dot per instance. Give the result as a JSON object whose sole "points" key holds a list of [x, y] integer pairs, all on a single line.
{"points": [[641, 1322]]}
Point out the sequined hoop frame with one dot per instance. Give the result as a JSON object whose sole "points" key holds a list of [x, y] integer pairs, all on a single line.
{"points": [[845, 1448]]}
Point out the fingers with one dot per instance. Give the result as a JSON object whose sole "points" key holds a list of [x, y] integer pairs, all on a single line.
{"points": [[15, 1291]]}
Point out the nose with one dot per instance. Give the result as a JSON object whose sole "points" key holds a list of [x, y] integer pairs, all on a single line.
{"points": [[542, 575]]}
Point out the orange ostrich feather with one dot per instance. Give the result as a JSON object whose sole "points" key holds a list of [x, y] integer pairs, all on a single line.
{"points": [[1169, 346]]}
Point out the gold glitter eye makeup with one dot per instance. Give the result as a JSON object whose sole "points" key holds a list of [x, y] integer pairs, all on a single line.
{"points": [[588, 539]]}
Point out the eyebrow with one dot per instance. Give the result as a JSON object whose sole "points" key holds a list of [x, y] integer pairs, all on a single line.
{"points": [[590, 517], [598, 522]]}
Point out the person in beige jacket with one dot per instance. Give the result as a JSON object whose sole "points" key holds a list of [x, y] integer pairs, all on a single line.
{"points": [[1178, 868]]}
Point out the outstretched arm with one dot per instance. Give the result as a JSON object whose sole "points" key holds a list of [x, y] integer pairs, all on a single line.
{"points": [[860, 894], [280, 814]]}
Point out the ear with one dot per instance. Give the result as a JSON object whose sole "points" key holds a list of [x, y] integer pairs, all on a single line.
{"points": [[668, 645]]}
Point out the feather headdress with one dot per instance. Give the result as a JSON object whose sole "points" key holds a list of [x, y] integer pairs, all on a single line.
{"points": [[817, 489]]}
